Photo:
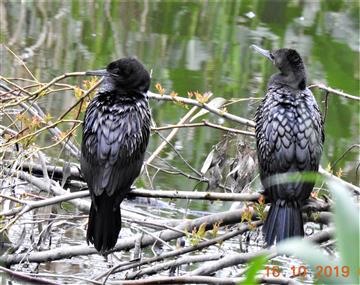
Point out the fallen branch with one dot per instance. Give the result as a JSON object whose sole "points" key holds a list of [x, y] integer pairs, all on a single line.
{"points": [[54, 172], [67, 276], [31, 205], [211, 196], [224, 218], [204, 280], [123, 267], [46, 186], [241, 258], [26, 277]]}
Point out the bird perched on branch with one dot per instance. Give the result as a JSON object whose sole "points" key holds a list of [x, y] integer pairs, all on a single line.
{"points": [[115, 136], [289, 139]]}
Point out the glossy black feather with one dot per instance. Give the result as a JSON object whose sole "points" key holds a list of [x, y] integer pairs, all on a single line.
{"points": [[115, 136], [289, 137]]}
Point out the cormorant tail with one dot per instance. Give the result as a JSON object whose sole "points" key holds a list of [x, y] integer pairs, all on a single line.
{"points": [[104, 223], [284, 220]]}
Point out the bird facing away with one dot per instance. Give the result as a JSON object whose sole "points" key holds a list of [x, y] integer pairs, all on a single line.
{"points": [[289, 138], [115, 136]]}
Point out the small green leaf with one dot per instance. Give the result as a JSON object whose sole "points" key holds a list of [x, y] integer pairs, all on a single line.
{"points": [[202, 230]]}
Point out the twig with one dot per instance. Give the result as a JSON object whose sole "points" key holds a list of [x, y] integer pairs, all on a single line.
{"points": [[339, 180], [55, 188], [21, 61], [48, 126], [56, 79], [81, 99], [179, 154], [334, 91], [36, 111], [173, 263], [228, 129], [156, 238], [56, 172], [171, 135], [216, 111], [212, 196], [67, 276], [12, 199], [31, 205], [343, 155], [204, 123]]}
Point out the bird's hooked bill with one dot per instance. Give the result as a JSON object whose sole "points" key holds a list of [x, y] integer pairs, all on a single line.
{"points": [[264, 52], [99, 72]]}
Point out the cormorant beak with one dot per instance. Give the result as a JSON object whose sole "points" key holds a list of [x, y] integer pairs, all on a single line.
{"points": [[263, 52], [99, 72]]}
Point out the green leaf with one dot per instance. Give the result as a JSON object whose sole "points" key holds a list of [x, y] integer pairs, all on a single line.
{"points": [[347, 226], [255, 266], [202, 230]]}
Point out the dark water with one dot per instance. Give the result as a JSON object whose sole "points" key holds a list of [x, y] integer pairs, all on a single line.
{"points": [[194, 46]]}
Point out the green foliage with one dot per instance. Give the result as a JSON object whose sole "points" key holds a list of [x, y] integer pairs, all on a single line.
{"points": [[197, 234], [215, 230], [260, 208], [347, 224], [254, 267]]}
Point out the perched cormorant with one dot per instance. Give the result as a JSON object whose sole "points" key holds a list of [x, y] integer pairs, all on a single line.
{"points": [[115, 136], [289, 138]]}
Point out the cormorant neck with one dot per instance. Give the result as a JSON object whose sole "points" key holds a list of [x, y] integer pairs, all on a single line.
{"points": [[109, 85], [295, 80]]}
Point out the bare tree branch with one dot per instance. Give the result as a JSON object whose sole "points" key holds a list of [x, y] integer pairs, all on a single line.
{"points": [[335, 91], [206, 106]]}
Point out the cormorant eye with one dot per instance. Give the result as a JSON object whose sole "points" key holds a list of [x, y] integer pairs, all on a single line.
{"points": [[272, 56]]}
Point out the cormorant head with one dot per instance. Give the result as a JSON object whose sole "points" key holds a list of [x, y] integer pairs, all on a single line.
{"points": [[127, 74], [290, 64]]}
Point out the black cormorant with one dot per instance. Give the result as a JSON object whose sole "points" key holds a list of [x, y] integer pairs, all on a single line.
{"points": [[289, 138], [115, 136]]}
